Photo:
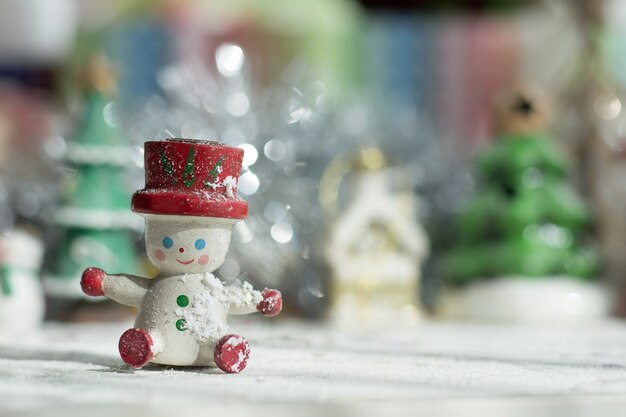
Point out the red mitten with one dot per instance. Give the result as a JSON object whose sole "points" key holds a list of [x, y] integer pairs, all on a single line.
{"points": [[91, 281], [272, 303]]}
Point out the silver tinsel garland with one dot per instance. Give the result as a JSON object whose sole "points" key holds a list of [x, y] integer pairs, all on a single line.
{"points": [[290, 132]]}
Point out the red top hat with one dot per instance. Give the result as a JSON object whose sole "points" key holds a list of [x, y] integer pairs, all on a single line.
{"points": [[191, 178]]}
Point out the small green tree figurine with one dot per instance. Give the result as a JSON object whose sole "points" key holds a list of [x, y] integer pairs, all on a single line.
{"points": [[525, 218], [525, 221], [95, 217]]}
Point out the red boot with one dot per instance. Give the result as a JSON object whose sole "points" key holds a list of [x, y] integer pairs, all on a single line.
{"points": [[231, 353], [136, 347]]}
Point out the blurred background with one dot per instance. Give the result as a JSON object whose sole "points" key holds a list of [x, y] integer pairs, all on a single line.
{"points": [[403, 159]]}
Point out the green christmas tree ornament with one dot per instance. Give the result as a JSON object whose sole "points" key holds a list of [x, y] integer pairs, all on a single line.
{"points": [[521, 251], [95, 218]]}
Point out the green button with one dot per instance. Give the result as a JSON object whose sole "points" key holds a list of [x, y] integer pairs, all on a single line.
{"points": [[182, 300], [180, 325]]}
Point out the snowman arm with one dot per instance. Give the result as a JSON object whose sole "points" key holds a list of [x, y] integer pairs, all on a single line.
{"points": [[241, 298], [125, 289]]}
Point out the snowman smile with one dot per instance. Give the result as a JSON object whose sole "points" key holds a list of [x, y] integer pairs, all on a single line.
{"points": [[185, 263]]}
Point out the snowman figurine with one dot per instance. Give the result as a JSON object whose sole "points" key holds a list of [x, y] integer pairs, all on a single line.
{"points": [[190, 206]]}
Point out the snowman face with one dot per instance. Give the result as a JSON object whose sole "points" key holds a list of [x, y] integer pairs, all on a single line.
{"points": [[187, 245]]}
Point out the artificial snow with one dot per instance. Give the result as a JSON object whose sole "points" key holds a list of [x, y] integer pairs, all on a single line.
{"points": [[230, 183], [308, 369], [213, 185], [205, 315]]}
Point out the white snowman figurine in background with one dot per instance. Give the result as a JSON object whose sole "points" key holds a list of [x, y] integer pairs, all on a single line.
{"points": [[190, 206], [21, 294]]}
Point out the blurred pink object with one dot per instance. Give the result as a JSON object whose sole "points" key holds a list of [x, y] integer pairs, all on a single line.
{"points": [[27, 112], [26, 124], [478, 59]]}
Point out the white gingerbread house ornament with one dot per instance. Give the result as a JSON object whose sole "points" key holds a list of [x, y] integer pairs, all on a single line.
{"points": [[375, 251]]}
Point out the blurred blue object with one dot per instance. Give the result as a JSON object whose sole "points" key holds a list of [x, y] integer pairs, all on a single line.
{"points": [[398, 50], [140, 48]]}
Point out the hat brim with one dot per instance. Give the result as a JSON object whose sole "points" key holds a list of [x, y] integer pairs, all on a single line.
{"points": [[195, 203]]}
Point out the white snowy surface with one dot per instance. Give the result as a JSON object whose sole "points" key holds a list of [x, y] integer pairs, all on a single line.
{"points": [[307, 369]]}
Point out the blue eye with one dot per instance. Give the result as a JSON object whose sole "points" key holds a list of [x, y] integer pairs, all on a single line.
{"points": [[200, 244], [168, 242]]}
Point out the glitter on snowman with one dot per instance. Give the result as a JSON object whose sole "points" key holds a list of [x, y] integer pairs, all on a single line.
{"points": [[189, 219]]}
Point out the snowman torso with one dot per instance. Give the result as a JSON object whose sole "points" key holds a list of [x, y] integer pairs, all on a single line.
{"points": [[189, 314]]}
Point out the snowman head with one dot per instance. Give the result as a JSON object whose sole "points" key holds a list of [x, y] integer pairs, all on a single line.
{"points": [[20, 249], [187, 244]]}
